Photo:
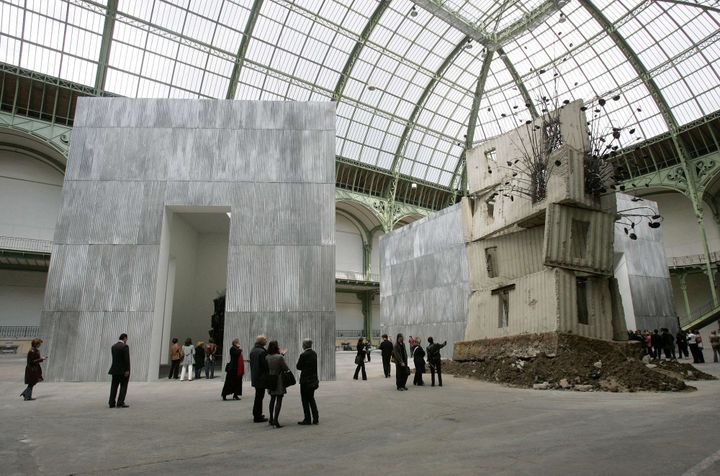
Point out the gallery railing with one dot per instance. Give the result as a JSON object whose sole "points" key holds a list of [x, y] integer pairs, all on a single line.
{"points": [[17, 243], [19, 332]]}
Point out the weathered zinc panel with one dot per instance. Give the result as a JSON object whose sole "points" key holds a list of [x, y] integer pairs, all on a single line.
{"points": [[562, 249], [424, 278], [271, 163]]}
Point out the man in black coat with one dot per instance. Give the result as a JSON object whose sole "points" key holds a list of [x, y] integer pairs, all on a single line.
{"points": [[401, 363], [386, 350], [258, 374], [434, 360], [120, 371], [309, 382]]}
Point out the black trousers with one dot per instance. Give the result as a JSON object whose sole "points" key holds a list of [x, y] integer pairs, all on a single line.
{"points": [[122, 382], [258, 403], [401, 375], [386, 365], [307, 397], [357, 370], [682, 350], [174, 369], [436, 367]]}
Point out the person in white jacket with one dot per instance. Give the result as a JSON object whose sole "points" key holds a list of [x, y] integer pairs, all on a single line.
{"points": [[188, 358]]}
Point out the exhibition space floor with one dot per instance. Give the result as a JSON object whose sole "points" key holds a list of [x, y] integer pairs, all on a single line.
{"points": [[366, 427]]}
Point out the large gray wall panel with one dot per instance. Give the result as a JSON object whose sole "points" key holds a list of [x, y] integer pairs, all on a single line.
{"points": [[133, 161], [424, 285]]}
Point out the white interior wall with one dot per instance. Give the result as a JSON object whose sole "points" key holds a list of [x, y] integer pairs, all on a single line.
{"points": [[348, 248], [681, 235], [183, 249], [348, 312], [21, 297], [35, 191]]}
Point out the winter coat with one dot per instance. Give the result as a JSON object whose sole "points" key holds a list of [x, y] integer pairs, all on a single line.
{"points": [[33, 371], [188, 352], [419, 359], [175, 352], [258, 366], [236, 362], [199, 356], [276, 365]]}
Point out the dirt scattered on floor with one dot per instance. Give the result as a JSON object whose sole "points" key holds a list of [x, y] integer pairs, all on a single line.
{"points": [[581, 364]]}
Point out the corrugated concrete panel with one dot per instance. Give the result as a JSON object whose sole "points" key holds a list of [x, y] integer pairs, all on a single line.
{"points": [[533, 308], [599, 304], [517, 254], [562, 249], [424, 278], [272, 164], [641, 267]]}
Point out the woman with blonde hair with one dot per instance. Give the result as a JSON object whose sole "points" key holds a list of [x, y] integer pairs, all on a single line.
{"points": [[33, 371], [234, 371]]}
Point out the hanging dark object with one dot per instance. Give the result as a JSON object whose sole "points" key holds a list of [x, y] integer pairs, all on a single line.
{"points": [[633, 236], [654, 224]]}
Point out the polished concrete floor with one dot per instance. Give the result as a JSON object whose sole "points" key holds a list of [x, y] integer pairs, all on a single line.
{"points": [[366, 427]]}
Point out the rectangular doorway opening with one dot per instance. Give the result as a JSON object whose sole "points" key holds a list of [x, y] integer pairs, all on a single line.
{"points": [[194, 306]]}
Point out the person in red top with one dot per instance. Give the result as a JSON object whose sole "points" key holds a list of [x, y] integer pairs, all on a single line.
{"points": [[234, 371]]}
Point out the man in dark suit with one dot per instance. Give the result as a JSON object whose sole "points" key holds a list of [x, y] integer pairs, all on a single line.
{"points": [[386, 350], [258, 373], [434, 360], [120, 371], [309, 382]]}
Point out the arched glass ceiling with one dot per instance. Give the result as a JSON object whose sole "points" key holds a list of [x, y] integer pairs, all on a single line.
{"points": [[404, 75]]}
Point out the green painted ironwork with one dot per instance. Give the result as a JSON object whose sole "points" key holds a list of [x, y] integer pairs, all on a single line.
{"points": [[106, 44], [242, 50]]}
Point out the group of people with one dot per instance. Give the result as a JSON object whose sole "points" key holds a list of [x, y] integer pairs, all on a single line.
{"points": [[398, 354], [663, 342], [183, 359]]}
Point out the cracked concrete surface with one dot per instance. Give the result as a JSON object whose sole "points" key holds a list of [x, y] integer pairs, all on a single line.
{"points": [[467, 427]]}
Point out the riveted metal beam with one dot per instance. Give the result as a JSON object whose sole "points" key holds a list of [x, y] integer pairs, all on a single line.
{"points": [[242, 50], [487, 38], [672, 125], [357, 49], [397, 160], [707, 6], [519, 83], [472, 121], [105, 44]]}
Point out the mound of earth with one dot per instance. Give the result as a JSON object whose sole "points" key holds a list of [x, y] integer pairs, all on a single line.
{"points": [[580, 364]]}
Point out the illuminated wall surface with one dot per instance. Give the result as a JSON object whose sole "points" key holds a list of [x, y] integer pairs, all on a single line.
{"points": [[272, 164]]}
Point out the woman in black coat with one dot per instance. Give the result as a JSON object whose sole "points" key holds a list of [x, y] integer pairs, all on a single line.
{"points": [[33, 371], [234, 371], [360, 359], [199, 358], [401, 364], [418, 355]]}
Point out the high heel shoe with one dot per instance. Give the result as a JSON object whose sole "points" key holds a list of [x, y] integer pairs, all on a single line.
{"points": [[235, 397]]}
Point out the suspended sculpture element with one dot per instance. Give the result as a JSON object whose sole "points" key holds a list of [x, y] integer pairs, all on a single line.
{"points": [[631, 217]]}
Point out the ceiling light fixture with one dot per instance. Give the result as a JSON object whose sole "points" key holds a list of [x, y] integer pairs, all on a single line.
{"points": [[413, 11], [371, 88], [562, 18], [413, 185]]}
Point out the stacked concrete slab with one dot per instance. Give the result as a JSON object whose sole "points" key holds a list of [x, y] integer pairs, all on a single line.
{"points": [[424, 278], [641, 269], [272, 164]]}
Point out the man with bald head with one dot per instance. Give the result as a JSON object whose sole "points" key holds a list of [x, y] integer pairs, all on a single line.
{"points": [[258, 373]]}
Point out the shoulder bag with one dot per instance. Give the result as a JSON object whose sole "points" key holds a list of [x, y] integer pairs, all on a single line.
{"points": [[288, 378]]}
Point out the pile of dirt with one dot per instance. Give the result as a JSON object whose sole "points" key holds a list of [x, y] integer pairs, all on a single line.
{"points": [[581, 364]]}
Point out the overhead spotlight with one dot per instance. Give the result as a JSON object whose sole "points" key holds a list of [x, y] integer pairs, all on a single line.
{"points": [[413, 185], [413, 11], [371, 88], [562, 18]]}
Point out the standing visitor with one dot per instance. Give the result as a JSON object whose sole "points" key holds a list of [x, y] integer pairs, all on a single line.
{"points": [[668, 342], [234, 371], [401, 368], [657, 345], [419, 361], [210, 349], [309, 382], [360, 359], [276, 366], [693, 346], [435, 361], [386, 349], [175, 359], [33, 371], [699, 347], [258, 374], [199, 358], [188, 356], [411, 343], [120, 371], [368, 348], [682, 343], [715, 344]]}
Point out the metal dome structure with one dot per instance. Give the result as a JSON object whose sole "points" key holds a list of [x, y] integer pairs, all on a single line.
{"points": [[416, 82]]}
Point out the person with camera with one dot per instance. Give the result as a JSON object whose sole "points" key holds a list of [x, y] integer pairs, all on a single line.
{"points": [[360, 359], [435, 361]]}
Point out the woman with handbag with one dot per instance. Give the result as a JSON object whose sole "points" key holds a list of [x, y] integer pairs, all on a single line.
{"points": [[360, 359], [277, 369], [33, 371], [234, 371]]}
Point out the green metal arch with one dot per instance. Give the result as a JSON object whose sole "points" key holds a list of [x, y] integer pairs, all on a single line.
{"points": [[242, 50], [357, 49]]}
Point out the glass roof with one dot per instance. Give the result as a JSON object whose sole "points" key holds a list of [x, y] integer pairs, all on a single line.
{"points": [[404, 78]]}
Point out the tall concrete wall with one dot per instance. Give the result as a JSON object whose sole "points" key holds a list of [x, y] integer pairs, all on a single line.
{"points": [[643, 265], [424, 278], [271, 163]]}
